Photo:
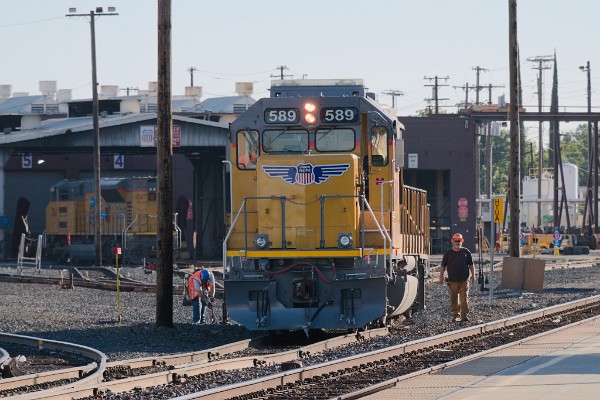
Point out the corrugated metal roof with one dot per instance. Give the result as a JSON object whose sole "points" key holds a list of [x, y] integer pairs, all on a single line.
{"points": [[56, 127], [183, 105], [21, 105], [224, 105]]}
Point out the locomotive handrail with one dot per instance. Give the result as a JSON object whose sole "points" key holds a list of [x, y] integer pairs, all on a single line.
{"points": [[242, 207], [383, 232], [176, 228], [382, 184], [124, 233]]}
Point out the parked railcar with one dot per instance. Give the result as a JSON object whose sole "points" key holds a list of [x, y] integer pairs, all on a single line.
{"points": [[322, 231], [128, 217]]}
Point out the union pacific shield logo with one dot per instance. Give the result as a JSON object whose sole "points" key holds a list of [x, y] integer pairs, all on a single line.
{"points": [[305, 174]]}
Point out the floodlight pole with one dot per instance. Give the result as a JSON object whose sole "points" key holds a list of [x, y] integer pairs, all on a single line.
{"points": [[96, 128]]}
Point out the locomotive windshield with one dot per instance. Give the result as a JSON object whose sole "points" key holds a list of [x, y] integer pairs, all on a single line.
{"points": [[334, 140], [379, 148], [285, 140], [247, 148]]}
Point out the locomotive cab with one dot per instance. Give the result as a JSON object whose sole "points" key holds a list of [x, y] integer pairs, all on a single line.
{"points": [[321, 231]]}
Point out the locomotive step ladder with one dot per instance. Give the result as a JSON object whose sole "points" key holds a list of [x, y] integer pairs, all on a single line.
{"points": [[30, 262]]}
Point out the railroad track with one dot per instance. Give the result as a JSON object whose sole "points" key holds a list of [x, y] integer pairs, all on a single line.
{"points": [[121, 376], [356, 376], [101, 278], [350, 377], [47, 352]]}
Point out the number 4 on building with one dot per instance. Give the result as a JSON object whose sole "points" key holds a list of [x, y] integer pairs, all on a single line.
{"points": [[119, 161]]}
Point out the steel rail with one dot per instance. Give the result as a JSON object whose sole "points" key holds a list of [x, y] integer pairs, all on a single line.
{"points": [[395, 381], [91, 373], [202, 365], [126, 286], [300, 374]]}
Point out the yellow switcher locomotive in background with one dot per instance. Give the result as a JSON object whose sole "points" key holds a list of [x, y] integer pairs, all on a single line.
{"points": [[128, 215], [322, 232]]}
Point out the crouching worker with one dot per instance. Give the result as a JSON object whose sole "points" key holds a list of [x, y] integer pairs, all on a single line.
{"points": [[201, 287]]}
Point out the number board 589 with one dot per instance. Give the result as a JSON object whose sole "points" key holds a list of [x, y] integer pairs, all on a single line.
{"points": [[282, 116], [339, 115]]}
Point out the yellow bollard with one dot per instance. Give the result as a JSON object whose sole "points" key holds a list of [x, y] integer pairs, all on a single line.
{"points": [[556, 251]]}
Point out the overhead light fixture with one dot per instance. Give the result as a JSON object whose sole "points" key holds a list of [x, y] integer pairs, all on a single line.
{"points": [[72, 9], [40, 162], [99, 10], [112, 9]]}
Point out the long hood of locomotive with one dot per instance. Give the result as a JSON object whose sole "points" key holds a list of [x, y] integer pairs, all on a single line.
{"points": [[306, 201]]}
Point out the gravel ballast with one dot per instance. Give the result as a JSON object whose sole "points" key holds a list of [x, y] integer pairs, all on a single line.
{"points": [[89, 316]]}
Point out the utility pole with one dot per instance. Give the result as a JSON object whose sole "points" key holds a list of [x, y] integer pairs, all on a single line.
{"points": [[191, 71], [490, 87], [95, 107], [478, 88], [436, 87], [514, 189], [488, 147], [466, 88], [542, 65], [394, 94], [127, 89], [592, 189], [281, 68], [164, 169]]}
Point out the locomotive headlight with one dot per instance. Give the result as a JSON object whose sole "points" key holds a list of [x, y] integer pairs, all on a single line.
{"points": [[310, 107], [344, 240], [261, 241], [309, 116]]}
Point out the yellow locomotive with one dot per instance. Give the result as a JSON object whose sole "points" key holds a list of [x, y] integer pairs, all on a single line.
{"points": [[128, 217], [322, 232]]}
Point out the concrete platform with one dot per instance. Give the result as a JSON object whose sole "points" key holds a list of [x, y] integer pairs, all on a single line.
{"points": [[563, 364]]}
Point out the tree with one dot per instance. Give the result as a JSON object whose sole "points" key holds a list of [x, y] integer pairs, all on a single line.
{"points": [[500, 160], [574, 149]]}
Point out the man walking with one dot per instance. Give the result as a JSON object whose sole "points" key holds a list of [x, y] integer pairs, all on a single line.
{"points": [[458, 262]]}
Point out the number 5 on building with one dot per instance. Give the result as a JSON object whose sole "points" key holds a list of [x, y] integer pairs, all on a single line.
{"points": [[26, 160]]}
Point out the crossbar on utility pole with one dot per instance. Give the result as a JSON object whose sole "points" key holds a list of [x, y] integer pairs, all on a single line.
{"points": [[96, 127], [394, 94]]}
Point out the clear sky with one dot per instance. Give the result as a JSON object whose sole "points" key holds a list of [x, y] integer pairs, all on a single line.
{"points": [[391, 44]]}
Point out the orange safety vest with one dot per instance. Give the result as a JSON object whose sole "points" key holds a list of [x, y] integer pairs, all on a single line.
{"points": [[192, 292]]}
